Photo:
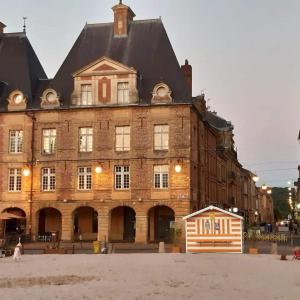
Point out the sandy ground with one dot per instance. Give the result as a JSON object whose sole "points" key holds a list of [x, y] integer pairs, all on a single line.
{"points": [[150, 276]]}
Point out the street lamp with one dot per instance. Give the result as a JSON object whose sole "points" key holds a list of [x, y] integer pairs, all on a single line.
{"points": [[178, 168], [26, 172], [264, 187], [255, 178], [98, 169]]}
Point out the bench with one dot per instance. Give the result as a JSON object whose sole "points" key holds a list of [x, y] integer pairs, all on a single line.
{"points": [[215, 243]]}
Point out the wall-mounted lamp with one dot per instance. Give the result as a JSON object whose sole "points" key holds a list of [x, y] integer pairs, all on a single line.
{"points": [[269, 192], [26, 172], [98, 169], [264, 187], [178, 168], [256, 213], [255, 178]]}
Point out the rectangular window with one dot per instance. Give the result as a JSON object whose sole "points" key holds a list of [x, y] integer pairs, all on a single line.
{"points": [[86, 139], [84, 178], [49, 141], [86, 94], [15, 180], [48, 179], [123, 138], [15, 141], [161, 177], [161, 137], [123, 92], [122, 177]]}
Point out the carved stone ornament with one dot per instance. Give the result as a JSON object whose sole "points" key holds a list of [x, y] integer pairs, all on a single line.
{"points": [[16, 101], [161, 93], [50, 99]]}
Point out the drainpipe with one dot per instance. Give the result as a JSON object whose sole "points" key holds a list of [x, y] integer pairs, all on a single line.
{"points": [[32, 160]]}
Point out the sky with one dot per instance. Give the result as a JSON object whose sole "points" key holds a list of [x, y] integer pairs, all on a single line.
{"points": [[244, 54]]}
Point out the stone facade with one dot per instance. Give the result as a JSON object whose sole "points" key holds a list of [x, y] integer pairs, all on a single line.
{"points": [[200, 156]]}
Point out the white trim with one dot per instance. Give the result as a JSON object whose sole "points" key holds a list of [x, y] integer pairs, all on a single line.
{"points": [[211, 207]]}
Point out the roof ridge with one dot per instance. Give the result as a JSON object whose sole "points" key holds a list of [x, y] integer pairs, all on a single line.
{"points": [[13, 34], [134, 22]]}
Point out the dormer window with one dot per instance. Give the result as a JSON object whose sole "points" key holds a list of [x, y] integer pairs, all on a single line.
{"points": [[123, 92], [86, 94], [161, 93], [50, 99], [16, 100]]}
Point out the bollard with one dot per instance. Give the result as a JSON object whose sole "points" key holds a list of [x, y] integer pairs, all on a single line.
{"points": [[161, 247], [274, 248]]}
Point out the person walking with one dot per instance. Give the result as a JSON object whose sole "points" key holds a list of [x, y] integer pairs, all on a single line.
{"points": [[17, 252]]}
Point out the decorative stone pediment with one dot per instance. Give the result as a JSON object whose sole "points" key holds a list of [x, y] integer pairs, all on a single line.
{"points": [[16, 101], [161, 93], [50, 99], [103, 67]]}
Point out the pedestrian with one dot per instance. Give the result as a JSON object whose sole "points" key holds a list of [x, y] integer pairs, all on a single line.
{"points": [[17, 252]]}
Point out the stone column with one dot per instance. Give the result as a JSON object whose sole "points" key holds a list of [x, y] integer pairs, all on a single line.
{"points": [[141, 229], [35, 226], [103, 226], [66, 227]]}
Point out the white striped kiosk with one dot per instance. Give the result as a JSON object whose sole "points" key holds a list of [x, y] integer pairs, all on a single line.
{"points": [[214, 230]]}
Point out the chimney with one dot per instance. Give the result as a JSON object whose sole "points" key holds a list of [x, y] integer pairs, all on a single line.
{"points": [[2, 26], [123, 15], [187, 73]]}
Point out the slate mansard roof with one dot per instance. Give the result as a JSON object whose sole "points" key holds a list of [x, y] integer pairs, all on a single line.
{"points": [[19, 68], [146, 48]]}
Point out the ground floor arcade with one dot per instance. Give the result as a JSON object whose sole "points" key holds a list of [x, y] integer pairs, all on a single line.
{"points": [[123, 222]]}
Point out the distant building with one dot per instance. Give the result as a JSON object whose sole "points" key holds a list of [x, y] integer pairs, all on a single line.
{"points": [[114, 146]]}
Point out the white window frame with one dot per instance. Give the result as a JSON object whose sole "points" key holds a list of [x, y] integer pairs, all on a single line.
{"points": [[86, 139], [49, 140], [15, 180], [161, 176], [122, 177], [84, 178], [123, 92], [48, 181], [86, 95], [122, 134], [16, 141], [161, 137]]}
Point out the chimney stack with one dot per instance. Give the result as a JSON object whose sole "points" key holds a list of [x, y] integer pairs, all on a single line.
{"points": [[187, 73], [123, 15], [2, 26]]}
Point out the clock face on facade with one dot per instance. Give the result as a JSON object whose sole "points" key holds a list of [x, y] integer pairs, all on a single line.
{"points": [[162, 92], [18, 98], [51, 97]]}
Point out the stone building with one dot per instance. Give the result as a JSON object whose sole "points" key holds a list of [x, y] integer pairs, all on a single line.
{"points": [[114, 146]]}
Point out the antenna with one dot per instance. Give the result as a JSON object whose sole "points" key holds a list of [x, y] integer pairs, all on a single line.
{"points": [[24, 24]]}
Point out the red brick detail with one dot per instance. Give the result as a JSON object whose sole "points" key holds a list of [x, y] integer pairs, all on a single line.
{"points": [[86, 78], [101, 83], [105, 67]]}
